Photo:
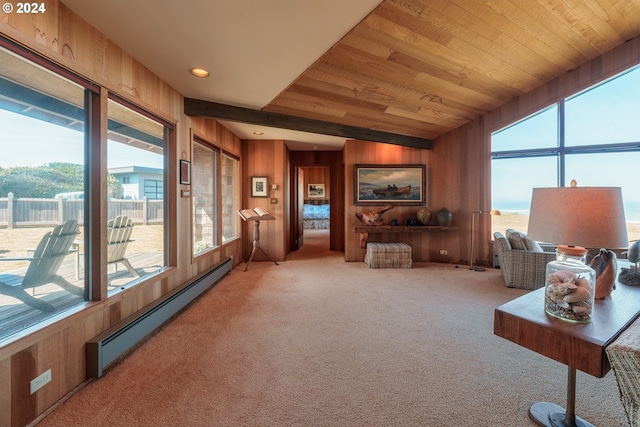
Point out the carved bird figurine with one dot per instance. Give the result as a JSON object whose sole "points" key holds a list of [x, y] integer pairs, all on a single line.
{"points": [[605, 265], [633, 254], [373, 217]]}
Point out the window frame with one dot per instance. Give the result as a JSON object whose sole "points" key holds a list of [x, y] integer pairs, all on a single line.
{"points": [[217, 199], [94, 101], [90, 95], [168, 192], [562, 152], [233, 215]]}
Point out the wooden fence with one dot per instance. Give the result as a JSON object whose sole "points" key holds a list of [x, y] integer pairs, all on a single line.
{"points": [[22, 212]]}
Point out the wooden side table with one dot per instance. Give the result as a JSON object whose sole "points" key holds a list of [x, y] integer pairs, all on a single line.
{"points": [[578, 345]]}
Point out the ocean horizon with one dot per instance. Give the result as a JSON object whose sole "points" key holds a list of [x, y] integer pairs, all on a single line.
{"points": [[631, 210]]}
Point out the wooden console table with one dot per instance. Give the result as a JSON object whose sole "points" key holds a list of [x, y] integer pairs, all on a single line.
{"points": [[364, 230], [578, 345]]}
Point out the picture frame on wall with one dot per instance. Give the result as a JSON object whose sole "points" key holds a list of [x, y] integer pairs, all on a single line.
{"points": [[185, 172], [315, 190], [259, 187], [390, 184]]}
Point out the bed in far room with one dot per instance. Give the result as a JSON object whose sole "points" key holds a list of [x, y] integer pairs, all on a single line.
{"points": [[315, 214]]}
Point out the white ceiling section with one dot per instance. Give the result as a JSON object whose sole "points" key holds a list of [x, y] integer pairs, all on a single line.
{"points": [[253, 49]]}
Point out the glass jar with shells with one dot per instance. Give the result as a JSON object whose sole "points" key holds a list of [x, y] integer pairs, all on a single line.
{"points": [[570, 285]]}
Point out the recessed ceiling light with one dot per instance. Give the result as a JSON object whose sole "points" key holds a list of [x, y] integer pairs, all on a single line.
{"points": [[258, 133], [199, 72]]}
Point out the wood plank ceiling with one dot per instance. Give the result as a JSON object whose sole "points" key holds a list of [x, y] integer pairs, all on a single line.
{"points": [[423, 67]]}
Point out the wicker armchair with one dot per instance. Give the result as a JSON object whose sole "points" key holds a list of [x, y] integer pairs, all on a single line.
{"points": [[624, 356], [521, 268]]}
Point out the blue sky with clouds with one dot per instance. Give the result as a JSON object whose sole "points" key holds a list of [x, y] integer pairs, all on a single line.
{"points": [[608, 114]]}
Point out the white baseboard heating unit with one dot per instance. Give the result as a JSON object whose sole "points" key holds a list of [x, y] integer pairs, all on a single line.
{"points": [[117, 340]]}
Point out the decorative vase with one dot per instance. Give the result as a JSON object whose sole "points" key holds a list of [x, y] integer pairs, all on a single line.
{"points": [[444, 217], [424, 216]]}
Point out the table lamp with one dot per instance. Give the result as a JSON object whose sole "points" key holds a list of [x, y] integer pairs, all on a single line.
{"points": [[591, 217], [588, 217]]}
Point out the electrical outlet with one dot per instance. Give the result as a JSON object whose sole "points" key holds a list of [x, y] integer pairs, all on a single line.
{"points": [[38, 382], [274, 200], [443, 252]]}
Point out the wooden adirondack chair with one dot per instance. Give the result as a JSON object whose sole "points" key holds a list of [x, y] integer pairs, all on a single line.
{"points": [[118, 237], [44, 265]]}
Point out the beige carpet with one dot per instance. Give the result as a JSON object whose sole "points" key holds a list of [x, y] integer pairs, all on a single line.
{"points": [[316, 341]]}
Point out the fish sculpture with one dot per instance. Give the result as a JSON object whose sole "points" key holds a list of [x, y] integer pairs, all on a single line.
{"points": [[373, 217], [606, 266]]}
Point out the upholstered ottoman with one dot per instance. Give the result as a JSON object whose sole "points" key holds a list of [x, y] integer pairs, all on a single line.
{"points": [[388, 255]]}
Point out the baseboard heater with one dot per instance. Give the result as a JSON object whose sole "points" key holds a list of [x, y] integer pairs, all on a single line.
{"points": [[117, 340]]}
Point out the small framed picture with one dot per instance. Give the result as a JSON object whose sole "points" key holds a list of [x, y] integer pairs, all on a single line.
{"points": [[259, 186], [316, 190], [185, 172]]}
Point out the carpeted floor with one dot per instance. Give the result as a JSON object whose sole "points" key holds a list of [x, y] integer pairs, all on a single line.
{"points": [[316, 341]]}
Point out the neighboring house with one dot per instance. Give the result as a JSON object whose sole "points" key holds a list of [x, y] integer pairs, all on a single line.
{"points": [[139, 182]]}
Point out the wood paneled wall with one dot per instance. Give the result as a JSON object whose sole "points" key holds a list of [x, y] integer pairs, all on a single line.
{"points": [[62, 37], [444, 183], [271, 159]]}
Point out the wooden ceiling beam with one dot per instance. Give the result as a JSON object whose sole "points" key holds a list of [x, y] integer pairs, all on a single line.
{"points": [[197, 107]]}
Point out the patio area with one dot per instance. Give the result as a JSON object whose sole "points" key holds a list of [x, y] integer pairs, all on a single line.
{"points": [[16, 315]]}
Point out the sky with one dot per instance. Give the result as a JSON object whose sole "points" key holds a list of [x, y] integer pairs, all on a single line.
{"points": [[48, 143], [604, 115]]}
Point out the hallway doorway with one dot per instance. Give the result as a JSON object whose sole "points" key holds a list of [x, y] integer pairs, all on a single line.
{"points": [[317, 197]]}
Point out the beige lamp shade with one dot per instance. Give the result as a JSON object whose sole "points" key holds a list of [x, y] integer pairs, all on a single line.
{"points": [[591, 217]]}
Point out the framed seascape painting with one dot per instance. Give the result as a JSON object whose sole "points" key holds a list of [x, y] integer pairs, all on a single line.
{"points": [[390, 184]]}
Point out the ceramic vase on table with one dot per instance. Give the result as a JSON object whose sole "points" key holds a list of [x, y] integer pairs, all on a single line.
{"points": [[423, 216], [444, 217]]}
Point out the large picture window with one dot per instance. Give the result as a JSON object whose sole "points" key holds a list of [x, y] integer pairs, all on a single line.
{"points": [[136, 195], [51, 192], [591, 137], [204, 196], [230, 197], [42, 187]]}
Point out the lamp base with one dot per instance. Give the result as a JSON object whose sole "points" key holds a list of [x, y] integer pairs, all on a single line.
{"points": [[551, 415]]}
